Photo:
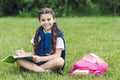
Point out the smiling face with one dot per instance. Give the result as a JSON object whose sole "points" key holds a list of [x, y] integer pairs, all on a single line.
{"points": [[47, 21]]}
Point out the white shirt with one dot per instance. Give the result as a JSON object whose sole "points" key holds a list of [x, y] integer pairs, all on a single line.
{"points": [[60, 43]]}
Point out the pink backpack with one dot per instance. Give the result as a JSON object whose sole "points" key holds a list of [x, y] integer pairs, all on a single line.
{"points": [[91, 62]]}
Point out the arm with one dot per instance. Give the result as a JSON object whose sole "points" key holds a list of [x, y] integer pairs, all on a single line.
{"points": [[59, 48], [47, 58]]}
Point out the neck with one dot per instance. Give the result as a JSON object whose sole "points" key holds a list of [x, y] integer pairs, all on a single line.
{"points": [[47, 31]]}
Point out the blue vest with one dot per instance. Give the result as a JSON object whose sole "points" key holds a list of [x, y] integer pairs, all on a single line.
{"points": [[44, 46]]}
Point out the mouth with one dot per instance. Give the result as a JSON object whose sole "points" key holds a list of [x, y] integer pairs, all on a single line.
{"points": [[47, 25]]}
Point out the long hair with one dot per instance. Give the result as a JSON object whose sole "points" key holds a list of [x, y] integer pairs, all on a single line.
{"points": [[53, 30]]}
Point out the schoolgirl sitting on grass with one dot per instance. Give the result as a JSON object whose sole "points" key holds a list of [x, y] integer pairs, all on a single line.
{"points": [[48, 46]]}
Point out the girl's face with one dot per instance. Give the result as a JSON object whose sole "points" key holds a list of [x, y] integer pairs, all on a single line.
{"points": [[47, 21]]}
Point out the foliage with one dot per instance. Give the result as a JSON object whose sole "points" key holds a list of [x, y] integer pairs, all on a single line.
{"points": [[9, 7], [109, 7], [61, 7]]}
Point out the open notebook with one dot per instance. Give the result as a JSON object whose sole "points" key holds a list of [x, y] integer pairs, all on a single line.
{"points": [[12, 58]]}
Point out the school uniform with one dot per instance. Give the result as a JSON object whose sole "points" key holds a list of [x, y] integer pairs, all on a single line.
{"points": [[44, 46]]}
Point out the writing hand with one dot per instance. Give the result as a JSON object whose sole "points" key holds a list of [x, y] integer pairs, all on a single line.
{"points": [[20, 52]]}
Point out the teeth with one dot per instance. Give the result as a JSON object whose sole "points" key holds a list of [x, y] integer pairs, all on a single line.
{"points": [[46, 25]]}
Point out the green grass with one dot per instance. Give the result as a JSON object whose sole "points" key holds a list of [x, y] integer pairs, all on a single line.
{"points": [[99, 35]]}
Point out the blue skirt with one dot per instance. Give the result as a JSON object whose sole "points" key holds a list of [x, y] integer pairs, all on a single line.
{"points": [[31, 60]]}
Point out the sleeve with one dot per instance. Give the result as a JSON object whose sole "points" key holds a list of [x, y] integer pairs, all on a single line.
{"points": [[60, 43]]}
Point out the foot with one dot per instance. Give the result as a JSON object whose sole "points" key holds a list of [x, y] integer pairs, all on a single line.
{"points": [[58, 71]]}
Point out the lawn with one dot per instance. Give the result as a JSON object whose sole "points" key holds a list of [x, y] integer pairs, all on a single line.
{"points": [[99, 35]]}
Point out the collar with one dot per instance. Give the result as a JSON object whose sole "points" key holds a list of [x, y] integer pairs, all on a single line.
{"points": [[47, 31]]}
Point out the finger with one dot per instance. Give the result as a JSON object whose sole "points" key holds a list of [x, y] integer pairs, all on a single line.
{"points": [[34, 57]]}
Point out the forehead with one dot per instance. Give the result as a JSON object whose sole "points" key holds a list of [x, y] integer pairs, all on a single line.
{"points": [[48, 15]]}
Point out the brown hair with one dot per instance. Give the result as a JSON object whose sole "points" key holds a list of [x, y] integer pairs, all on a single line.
{"points": [[53, 30]]}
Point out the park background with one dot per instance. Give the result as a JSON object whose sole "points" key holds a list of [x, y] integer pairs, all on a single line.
{"points": [[89, 26], [29, 8]]}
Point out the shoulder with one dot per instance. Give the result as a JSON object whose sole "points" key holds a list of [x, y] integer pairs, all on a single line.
{"points": [[59, 39]]}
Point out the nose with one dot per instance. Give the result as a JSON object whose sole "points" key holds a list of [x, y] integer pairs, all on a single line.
{"points": [[46, 21]]}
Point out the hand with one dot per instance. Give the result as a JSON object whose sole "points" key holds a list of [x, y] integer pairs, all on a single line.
{"points": [[36, 58], [20, 52]]}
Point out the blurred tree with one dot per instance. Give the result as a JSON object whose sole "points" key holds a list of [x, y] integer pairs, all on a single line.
{"points": [[108, 6], [61, 7], [9, 7]]}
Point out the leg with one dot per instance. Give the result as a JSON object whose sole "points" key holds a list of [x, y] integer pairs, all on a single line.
{"points": [[53, 64], [29, 65]]}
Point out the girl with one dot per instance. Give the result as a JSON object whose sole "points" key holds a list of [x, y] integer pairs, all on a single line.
{"points": [[48, 46]]}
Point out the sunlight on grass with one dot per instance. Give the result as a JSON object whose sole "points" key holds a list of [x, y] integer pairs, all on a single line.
{"points": [[99, 35]]}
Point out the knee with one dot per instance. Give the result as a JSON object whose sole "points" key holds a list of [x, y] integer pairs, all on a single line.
{"points": [[59, 61], [19, 61]]}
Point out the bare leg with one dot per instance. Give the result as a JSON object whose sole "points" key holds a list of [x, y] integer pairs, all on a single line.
{"points": [[53, 64], [29, 65]]}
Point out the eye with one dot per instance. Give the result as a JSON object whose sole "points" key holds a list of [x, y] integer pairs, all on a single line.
{"points": [[48, 19], [42, 20]]}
